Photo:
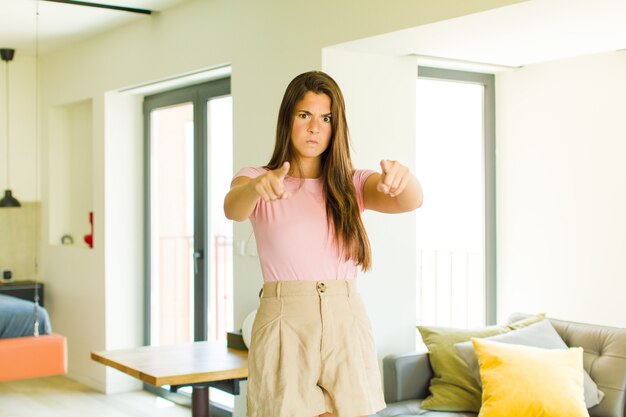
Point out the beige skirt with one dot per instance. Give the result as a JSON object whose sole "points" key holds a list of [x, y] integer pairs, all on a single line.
{"points": [[312, 352]]}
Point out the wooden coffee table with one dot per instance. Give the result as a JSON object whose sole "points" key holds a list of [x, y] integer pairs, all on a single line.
{"points": [[199, 364]]}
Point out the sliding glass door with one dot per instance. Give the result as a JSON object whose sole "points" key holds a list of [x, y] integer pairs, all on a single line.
{"points": [[183, 162], [173, 243]]}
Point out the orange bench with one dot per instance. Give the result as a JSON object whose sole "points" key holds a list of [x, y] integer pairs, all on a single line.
{"points": [[32, 356]]}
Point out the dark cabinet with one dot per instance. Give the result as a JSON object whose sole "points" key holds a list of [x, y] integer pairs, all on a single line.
{"points": [[23, 289]]}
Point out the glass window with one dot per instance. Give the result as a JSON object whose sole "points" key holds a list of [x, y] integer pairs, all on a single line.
{"points": [[455, 226]]}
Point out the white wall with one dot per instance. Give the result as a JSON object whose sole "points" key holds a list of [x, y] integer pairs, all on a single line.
{"points": [[69, 181], [561, 176], [22, 124], [267, 43], [382, 131], [124, 232]]}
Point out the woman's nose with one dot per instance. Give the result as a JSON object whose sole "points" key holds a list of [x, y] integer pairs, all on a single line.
{"points": [[314, 126]]}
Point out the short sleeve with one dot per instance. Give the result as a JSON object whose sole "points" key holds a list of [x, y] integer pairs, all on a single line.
{"points": [[359, 178], [250, 172]]}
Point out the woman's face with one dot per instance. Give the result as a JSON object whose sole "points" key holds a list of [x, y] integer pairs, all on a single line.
{"points": [[311, 129]]}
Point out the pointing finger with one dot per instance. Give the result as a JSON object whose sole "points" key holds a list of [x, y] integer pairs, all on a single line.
{"points": [[391, 177], [283, 171], [384, 166], [381, 186]]}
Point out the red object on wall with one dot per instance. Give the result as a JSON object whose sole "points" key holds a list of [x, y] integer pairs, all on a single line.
{"points": [[89, 238]]}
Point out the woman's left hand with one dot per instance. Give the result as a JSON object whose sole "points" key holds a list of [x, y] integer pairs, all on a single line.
{"points": [[394, 178]]}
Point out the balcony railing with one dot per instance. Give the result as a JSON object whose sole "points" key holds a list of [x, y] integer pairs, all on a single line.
{"points": [[450, 288]]}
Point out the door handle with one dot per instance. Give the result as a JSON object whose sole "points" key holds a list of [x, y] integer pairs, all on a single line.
{"points": [[199, 254]]}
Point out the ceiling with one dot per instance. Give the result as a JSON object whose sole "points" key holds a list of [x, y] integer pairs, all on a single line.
{"points": [[521, 34], [62, 24]]}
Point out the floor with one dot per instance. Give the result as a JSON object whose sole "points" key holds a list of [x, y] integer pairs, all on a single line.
{"points": [[59, 396]]}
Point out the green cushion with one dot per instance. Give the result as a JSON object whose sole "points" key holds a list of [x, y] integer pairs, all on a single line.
{"points": [[541, 335], [525, 322], [453, 388]]}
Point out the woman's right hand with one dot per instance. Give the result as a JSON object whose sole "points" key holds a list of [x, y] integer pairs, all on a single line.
{"points": [[271, 185]]}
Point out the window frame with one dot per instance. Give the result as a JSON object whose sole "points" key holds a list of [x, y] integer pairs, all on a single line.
{"points": [[199, 95], [489, 155]]}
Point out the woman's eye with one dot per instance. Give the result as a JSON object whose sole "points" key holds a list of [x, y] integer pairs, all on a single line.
{"points": [[327, 119], [302, 115]]}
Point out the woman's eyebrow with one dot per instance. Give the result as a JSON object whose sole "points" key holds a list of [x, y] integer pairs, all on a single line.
{"points": [[309, 113]]}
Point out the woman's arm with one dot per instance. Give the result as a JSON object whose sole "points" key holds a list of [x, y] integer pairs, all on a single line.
{"points": [[240, 200], [245, 192], [396, 190]]}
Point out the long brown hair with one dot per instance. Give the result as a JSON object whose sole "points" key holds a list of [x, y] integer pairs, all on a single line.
{"points": [[342, 209]]}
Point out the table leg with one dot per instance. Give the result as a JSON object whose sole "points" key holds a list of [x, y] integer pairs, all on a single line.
{"points": [[200, 402]]}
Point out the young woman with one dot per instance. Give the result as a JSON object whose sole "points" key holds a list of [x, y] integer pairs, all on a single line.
{"points": [[312, 352]]}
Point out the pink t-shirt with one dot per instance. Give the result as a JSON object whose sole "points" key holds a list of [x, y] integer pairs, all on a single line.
{"points": [[292, 235]]}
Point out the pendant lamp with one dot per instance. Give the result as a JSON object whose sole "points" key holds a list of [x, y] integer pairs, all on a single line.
{"points": [[8, 200]]}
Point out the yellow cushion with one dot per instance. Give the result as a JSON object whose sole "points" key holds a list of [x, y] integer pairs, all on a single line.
{"points": [[453, 388], [524, 381]]}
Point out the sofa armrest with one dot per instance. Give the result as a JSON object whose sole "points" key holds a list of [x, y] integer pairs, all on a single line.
{"points": [[407, 376]]}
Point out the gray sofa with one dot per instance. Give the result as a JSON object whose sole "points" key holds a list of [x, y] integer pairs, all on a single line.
{"points": [[407, 375]]}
